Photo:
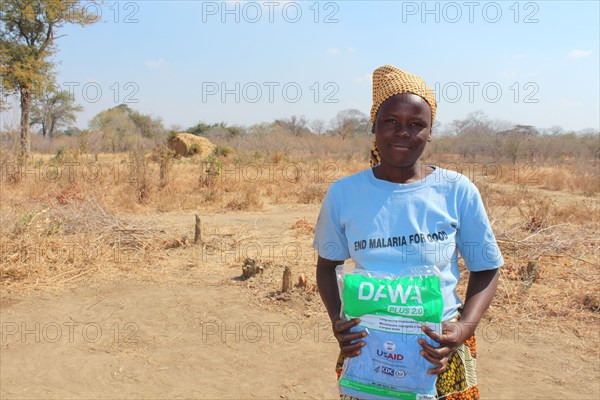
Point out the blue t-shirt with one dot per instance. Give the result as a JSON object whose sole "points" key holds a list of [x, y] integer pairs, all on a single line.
{"points": [[385, 226]]}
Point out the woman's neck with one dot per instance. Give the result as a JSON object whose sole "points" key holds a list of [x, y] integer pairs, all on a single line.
{"points": [[407, 174]]}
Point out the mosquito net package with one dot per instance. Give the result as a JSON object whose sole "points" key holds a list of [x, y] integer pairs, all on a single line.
{"points": [[392, 309]]}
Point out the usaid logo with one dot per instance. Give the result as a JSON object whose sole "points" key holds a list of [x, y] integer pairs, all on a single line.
{"points": [[389, 355]]}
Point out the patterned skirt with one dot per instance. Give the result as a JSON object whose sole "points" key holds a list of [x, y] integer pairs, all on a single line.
{"points": [[457, 382]]}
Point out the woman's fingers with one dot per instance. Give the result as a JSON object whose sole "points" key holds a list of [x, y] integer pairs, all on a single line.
{"points": [[440, 363], [438, 356], [447, 342], [438, 352], [437, 370], [341, 331], [342, 325], [349, 342], [349, 337], [352, 350], [432, 334]]}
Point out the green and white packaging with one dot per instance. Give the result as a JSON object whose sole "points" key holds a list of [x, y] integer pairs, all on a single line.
{"points": [[392, 309]]}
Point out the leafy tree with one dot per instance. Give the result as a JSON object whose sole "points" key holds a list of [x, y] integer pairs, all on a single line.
{"points": [[72, 131], [151, 128], [121, 127], [118, 131], [235, 130], [199, 129], [28, 31], [220, 129], [53, 109]]}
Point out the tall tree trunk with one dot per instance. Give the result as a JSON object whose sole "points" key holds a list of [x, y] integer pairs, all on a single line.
{"points": [[52, 127], [46, 123], [26, 101], [44, 129]]}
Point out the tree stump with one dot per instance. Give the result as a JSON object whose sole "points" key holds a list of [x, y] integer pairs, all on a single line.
{"points": [[287, 280], [302, 281], [251, 267], [198, 231]]}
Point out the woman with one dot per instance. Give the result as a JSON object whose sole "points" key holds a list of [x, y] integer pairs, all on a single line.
{"points": [[402, 213]]}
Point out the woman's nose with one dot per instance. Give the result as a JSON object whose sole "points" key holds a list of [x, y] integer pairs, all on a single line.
{"points": [[402, 131]]}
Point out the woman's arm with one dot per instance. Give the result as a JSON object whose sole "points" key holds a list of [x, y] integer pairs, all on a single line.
{"points": [[480, 293], [328, 289]]}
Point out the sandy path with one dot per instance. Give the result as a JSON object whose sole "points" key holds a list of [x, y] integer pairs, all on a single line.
{"points": [[150, 340], [204, 337]]}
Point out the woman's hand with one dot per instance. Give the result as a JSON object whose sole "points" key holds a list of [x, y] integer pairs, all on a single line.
{"points": [[453, 335], [480, 292], [341, 331]]}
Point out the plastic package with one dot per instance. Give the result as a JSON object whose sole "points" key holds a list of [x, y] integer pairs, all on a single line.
{"points": [[392, 309]]}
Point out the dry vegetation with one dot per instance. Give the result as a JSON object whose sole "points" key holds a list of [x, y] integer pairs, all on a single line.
{"points": [[71, 217]]}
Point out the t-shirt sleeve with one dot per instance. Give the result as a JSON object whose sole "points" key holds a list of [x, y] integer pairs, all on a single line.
{"points": [[330, 240], [475, 239]]}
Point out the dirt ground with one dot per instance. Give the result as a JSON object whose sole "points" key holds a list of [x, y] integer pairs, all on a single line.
{"points": [[187, 326]]}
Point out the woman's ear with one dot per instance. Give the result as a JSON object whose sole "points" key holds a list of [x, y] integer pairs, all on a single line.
{"points": [[373, 128]]}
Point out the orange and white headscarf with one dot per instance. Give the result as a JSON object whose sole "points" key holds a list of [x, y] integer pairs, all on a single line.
{"points": [[389, 81]]}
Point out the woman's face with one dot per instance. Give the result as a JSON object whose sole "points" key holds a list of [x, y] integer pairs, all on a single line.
{"points": [[402, 128]]}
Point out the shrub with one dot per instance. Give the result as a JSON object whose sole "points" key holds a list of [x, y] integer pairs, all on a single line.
{"points": [[223, 151], [251, 201], [212, 169], [164, 156], [138, 176], [193, 149], [312, 193]]}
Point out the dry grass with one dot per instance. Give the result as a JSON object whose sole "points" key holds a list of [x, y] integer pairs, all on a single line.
{"points": [[250, 200], [64, 239], [551, 276], [577, 177], [304, 227], [64, 227]]}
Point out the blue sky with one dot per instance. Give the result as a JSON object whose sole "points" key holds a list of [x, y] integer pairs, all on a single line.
{"points": [[533, 63]]}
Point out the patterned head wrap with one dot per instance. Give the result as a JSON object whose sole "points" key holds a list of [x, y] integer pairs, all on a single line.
{"points": [[389, 81]]}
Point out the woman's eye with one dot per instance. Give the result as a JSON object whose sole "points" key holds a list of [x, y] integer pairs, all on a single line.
{"points": [[390, 121], [417, 124]]}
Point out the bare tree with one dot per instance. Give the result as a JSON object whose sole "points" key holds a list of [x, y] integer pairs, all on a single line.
{"points": [[294, 124], [349, 122], [318, 126]]}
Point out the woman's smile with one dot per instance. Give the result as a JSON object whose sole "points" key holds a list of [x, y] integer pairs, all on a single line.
{"points": [[400, 146]]}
